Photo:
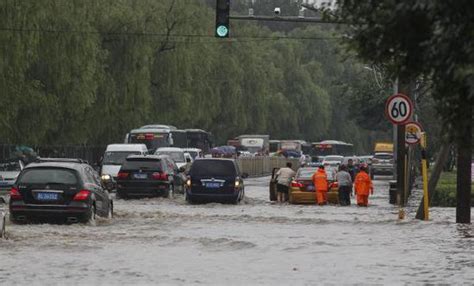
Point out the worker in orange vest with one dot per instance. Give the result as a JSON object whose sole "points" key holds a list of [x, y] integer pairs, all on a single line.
{"points": [[363, 186], [320, 180]]}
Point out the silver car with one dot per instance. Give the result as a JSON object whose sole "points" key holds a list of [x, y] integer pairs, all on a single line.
{"points": [[9, 171]]}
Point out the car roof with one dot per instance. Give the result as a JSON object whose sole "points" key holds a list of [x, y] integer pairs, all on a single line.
{"points": [[158, 126], [151, 130], [126, 147], [145, 157], [65, 165], [333, 156], [215, 159], [169, 149], [192, 149]]}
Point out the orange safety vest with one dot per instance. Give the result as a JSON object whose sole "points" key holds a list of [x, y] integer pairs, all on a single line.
{"points": [[320, 180], [363, 184]]}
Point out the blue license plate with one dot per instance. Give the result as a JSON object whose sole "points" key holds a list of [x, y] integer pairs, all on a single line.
{"points": [[47, 196], [213, 185], [310, 188], [140, 176]]}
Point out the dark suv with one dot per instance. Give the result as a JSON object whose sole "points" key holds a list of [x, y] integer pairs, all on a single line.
{"points": [[215, 180], [149, 175], [59, 188]]}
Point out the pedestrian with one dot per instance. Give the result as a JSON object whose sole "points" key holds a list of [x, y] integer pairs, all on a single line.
{"points": [[351, 169], [363, 186], [302, 160], [320, 180], [187, 167], [344, 182], [283, 177]]}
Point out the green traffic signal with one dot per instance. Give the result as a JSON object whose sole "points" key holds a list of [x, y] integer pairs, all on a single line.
{"points": [[222, 18], [222, 31]]}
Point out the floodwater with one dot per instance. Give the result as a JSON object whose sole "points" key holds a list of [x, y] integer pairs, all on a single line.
{"points": [[160, 241]]}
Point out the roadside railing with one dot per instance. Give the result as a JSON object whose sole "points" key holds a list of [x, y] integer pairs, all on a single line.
{"points": [[262, 166]]}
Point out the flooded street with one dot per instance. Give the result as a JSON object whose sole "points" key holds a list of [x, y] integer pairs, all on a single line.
{"points": [[153, 241]]}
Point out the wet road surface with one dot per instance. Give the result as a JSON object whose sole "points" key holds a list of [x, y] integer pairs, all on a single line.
{"points": [[157, 240]]}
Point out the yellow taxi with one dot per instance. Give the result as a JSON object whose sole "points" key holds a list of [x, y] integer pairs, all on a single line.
{"points": [[302, 188]]}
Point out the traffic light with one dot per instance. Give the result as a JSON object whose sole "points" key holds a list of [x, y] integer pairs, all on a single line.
{"points": [[222, 18]]}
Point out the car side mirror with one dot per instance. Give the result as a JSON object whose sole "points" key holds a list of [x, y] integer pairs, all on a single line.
{"points": [[245, 175]]}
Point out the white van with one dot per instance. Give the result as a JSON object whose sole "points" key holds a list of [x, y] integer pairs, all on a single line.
{"points": [[176, 154], [115, 155]]}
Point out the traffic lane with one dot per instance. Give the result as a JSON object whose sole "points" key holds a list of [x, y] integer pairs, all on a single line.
{"points": [[256, 242]]}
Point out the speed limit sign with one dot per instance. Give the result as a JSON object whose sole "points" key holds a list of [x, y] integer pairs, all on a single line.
{"points": [[399, 108]]}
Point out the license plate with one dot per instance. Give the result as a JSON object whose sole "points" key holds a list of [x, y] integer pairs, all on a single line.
{"points": [[140, 176], [310, 188], [213, 185], [47, 196]]}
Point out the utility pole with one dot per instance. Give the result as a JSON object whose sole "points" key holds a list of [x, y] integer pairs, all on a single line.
{"points": [[401, 150]]}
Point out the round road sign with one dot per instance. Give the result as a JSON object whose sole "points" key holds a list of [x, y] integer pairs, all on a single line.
{"points": [[413, 132], [399, 108]]}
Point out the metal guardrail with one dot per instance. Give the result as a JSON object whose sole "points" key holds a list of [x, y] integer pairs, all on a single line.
{"points": [[262, 166]]}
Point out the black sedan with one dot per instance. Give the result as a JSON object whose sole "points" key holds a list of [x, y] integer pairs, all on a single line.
{"points": [[149, 175], [59, 188], [215, 180]]}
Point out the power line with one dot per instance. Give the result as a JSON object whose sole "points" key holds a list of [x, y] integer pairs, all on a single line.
{"points": [[162, 35]]}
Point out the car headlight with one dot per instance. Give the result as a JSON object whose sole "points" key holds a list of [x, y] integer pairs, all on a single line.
{"points": [[105, 177], [188, 182], [237, 184]]}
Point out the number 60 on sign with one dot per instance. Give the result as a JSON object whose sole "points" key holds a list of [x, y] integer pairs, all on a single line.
{"points": [[399, 109]]}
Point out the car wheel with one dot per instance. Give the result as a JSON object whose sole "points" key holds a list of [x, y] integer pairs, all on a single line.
{"points": [[14, 219], [90, 216], [119, 195], [187, 198]]}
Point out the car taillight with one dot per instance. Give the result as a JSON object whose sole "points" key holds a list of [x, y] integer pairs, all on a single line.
{"points": [[159, 176], [15, 194], [296, 184], [122, 175], [82, 195]]}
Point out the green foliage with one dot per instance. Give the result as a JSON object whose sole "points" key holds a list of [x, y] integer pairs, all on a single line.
{"points": [[445, 193], [86, 72]]}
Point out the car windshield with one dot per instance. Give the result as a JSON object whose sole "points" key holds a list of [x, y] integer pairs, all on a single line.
{"points": [[306, 172], [213, 168], [117, 157], [48, 176], [146, 164], [383, 156], [174, 155], [10, 166]]}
